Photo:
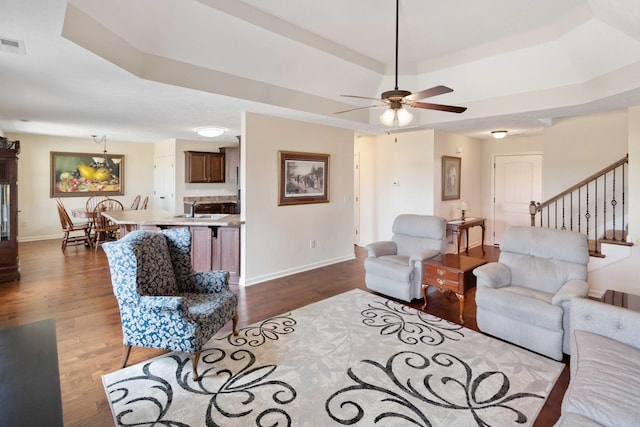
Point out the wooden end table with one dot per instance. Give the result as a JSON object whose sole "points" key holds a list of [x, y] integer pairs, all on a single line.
{"points": [[450, 273], [621, 299]]}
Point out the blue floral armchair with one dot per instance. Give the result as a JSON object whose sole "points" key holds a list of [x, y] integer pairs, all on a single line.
{"points": [[163, 303]]}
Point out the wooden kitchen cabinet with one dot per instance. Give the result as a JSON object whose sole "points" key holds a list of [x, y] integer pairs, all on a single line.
{"points": [[204, 167], [231, 163], [216, 248], [229, 208]]}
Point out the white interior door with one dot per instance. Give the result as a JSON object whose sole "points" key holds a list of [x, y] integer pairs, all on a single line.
{"points": [[517, 181], [163, 177]]}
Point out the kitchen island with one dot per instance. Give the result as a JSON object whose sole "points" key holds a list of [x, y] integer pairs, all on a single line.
{"points": [[215, 238]]}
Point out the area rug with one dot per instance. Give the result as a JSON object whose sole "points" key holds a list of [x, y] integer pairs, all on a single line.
{"points": [[353, 359]]}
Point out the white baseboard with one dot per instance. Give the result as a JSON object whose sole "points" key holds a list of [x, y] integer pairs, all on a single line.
{"points": [[298, 269]]}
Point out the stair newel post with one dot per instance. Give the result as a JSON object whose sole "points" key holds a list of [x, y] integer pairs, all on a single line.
{"points": [[532, 212]]}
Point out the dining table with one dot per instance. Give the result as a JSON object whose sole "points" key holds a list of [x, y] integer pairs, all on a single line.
{"points": [[86, 214]]}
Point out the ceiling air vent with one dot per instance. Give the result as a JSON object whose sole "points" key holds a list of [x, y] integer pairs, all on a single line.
{"points": [[12, 46]]}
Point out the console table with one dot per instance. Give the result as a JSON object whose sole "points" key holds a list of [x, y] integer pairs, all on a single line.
{"points": [[457, 226]]}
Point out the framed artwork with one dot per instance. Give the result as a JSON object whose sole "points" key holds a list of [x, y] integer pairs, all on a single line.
{"points": [[303, 178], [86, 174], [451, 177]]}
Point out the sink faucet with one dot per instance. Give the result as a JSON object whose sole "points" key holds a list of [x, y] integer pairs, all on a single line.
{"points": [[192, 211]]}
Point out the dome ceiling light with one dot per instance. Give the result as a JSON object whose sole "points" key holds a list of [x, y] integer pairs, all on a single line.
{"points": [[499, 134], [210, 131]]}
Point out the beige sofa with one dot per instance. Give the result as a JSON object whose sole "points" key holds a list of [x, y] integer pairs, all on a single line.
{"points": [[604, 389]]}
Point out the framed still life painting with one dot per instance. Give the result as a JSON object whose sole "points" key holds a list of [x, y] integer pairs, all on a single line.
{"points": [[86, 174]]}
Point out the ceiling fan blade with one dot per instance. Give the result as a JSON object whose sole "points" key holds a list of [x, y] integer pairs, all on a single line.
{"points": [[436, 90], [361, 97], [358, 108], [439, 107]]}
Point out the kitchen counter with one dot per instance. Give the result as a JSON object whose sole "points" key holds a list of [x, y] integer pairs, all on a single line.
{"points": [[160, 217], [215, 238]]}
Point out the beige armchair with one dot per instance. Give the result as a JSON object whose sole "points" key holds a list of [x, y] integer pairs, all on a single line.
{"points": [[524, 298], [394, 267]]}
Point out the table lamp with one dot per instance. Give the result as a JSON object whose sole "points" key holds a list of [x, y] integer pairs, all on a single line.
{"points": [[463, 207]]}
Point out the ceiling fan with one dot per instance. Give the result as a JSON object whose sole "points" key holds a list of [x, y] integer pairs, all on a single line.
{"points": [[395, 99]]}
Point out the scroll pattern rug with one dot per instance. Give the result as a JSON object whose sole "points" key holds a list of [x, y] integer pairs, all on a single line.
{"points": [[353, 359]]}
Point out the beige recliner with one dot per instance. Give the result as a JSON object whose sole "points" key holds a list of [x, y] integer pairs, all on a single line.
{"points": [[524, 298], [394, 267]]}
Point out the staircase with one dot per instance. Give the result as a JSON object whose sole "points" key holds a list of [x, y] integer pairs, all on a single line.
{"points": [[596, 206]]}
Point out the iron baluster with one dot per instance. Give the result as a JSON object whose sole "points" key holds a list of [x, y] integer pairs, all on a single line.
{"points": [[614, 202], [587, 214]]}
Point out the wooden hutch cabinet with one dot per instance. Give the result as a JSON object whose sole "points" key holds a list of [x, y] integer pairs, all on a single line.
{"points": [[204, 167], [9, 261]]}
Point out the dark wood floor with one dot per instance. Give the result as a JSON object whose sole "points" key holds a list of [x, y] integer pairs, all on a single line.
{"points": [[74, 289]]}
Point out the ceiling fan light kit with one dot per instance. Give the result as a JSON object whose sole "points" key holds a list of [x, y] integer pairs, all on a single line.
{"points": [[396, 117], [395, 99]]}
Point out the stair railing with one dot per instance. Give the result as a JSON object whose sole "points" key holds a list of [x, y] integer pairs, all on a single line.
{"points": [[592, 207]]}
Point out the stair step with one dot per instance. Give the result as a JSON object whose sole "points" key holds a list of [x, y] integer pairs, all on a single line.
{"points": [[594, 249], [616, 237]]}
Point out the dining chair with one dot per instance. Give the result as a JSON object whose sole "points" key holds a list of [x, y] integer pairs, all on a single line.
{"points": [[103, 228], [136, 203], [91, 205], [93, 201], [68, 227], [144, 203]]}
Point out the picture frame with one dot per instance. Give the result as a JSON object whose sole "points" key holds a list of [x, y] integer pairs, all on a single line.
{"points": [[303, 178], [451, 175], [86, 174]]}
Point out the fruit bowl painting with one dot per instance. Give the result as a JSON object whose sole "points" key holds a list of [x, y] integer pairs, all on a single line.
{"points": [[86, 174]]}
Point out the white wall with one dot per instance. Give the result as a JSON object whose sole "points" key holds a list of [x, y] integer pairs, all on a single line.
{"points": [[366, 151], [470, 152], [577, 147], [37, 216], [634, 173], [395, 178], [414, 164], [275, 239]]}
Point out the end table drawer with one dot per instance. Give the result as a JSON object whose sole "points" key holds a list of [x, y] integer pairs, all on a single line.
{"points": [[437, 271], [441, 283]]}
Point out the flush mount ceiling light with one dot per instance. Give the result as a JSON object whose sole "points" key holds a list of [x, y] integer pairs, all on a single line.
{"points": [[210, 131], [499, 134]]}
